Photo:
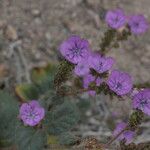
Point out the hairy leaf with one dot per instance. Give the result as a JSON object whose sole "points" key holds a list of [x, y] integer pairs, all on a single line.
{"points": [[8, 118], [83, 105], [67, 139], [39, 74], [42, 78], [52, 140], [26, 92], [28, 138], [62, 118]]}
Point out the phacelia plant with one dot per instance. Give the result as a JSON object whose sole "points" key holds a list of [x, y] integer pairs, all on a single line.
{"points": [[45, 115]]}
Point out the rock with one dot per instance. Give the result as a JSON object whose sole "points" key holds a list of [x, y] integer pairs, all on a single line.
{"points": [[11, 33], [71, 26], [48, 36], [92, 3], [36, 13], [92, 143], [3, 70], [2, 24]]}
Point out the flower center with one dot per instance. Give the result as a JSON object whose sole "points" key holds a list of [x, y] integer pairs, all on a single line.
{"points": [[143, 102], [116, 19], [82, 67], [100, 65], [76, 51], [136, 24], [31, 115], [118, 85]]}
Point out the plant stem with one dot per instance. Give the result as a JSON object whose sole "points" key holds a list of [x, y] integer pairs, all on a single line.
{"points": [[63, 73], [76, 92], [108, 38]]}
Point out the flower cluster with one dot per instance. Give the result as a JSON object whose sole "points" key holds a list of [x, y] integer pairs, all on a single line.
{"points": [[117, 19], [91, 66], [119, 82], [78, 52], [31, 113], [140, 101]]}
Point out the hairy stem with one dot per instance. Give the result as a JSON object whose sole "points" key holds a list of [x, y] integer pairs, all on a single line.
{"points": [[74, 92], [63, 73], [108, 38]]}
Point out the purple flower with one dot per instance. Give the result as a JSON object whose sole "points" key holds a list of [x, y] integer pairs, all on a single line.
{"points": [[75, 49], [98, 81], [101, 64], [120, 82], [88, 79], [31, 113], [126, 135], [115, 18], [134, 92], [141, 100], [82, 68], [138, 24]]}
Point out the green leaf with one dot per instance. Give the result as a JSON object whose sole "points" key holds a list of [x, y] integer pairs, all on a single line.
{"points": [[52, 140], [28, 138], [43, 78], [39, 74], [8, 118], [55, 99], [67, 139], [83, 105], [45, 85], [26, 92], [62, 118]]}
